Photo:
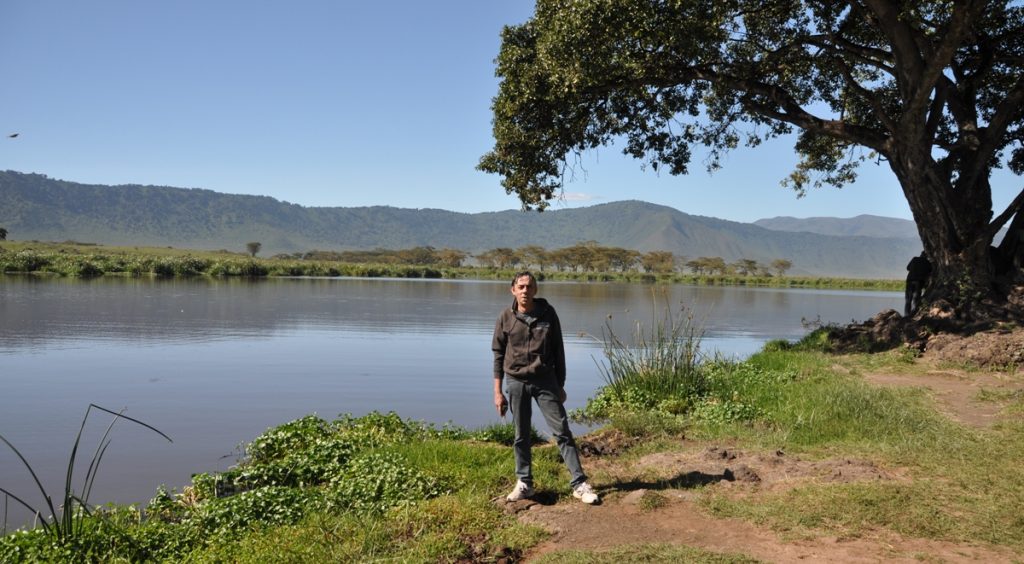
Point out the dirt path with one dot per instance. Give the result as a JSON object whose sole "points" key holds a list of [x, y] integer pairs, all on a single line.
{"points": [[618, 522], [624, 518], [971, 398]]}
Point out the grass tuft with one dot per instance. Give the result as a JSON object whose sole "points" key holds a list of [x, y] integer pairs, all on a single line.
{"points": [[75, 508]]}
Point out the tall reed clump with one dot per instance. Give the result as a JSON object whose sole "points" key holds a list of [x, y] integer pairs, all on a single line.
{"points": [[658, 369], [662, 361], [75, 504]]}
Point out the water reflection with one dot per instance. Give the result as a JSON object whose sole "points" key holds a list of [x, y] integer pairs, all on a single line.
{"points": [[48, 312]]}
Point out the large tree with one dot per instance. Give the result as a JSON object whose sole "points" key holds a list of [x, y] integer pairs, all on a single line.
{"points": [[934, 89]]}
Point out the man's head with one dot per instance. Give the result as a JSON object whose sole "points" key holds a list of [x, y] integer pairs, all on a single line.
{"points": [[524, 288]]}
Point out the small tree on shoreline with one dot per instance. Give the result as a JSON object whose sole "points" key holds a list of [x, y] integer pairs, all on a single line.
{"points": [[253, 247]]}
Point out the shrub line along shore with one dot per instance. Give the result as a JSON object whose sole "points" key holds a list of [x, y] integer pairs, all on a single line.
{"points": [[89, 261]]}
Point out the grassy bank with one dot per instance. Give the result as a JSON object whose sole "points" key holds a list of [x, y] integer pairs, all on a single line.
{"points": [[86, 261], [382, 488], [957, 484], [313, 490]]}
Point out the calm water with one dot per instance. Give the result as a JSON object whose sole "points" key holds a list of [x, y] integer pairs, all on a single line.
{"points": [[215, 363]]}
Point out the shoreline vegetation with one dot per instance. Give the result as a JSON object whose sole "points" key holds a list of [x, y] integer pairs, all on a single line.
{"points": [[379, 487], [84, 260]]}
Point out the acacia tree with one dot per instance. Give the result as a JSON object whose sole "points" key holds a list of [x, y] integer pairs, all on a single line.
{"points": [[501, 257], [253, 247], [746, 267], [658, 261], [534, 255], [418, 255], [780, 266], [697, 265], [934, 89], [618, 258], [452, 257], [3, 234]]}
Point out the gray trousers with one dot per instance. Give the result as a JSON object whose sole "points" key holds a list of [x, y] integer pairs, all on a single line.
{"points": [[521, 395]]}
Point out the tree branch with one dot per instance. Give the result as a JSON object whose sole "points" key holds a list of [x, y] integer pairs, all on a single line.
{"points": [[935, 111], [996, 224], [791, 111], [875, 58], [906, 56], [993, 136], [940, 58], [1009, 111], [869, 95]]}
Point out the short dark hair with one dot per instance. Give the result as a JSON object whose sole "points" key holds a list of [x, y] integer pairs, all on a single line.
{"points": [[533, 279]]}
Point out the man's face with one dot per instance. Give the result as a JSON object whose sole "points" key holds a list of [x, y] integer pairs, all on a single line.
{"points": [[524, 289]]}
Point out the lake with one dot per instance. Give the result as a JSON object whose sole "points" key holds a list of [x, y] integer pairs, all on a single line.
{"points": [[214, 363]]}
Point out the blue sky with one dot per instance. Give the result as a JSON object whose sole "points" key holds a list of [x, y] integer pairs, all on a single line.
{"points": [[326, 103]]}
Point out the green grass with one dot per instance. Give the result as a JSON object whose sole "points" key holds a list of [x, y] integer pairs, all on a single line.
{"points": [[956, 483], [643, 553], [961, 484], [361, 488], [443, 529]]}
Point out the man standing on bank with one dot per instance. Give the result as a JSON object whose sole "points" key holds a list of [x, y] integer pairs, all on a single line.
{"points": [[528, 348]]}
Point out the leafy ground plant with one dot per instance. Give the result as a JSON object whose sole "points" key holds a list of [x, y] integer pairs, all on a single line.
{"points": [[75, 504]]}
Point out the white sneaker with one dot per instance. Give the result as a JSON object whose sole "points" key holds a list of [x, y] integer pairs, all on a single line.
{"points": [[521, 491], [585, 493]]}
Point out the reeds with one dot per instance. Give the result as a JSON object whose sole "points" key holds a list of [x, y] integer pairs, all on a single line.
{"points": [[75, 506], [660, 363]]}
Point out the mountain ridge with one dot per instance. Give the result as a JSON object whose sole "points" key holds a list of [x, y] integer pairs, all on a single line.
{"points": [[38, 207], [866, 225]]}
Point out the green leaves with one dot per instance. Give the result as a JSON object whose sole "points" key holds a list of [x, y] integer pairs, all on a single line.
{"points": [[667, 75], [378, 481]]}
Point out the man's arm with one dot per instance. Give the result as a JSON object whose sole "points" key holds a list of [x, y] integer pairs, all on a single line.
{"points": [[558, 348], [498, 343], [500, 403]]}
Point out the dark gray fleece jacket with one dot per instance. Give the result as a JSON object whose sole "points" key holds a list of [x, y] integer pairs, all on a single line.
{"points": [[529, 345]]}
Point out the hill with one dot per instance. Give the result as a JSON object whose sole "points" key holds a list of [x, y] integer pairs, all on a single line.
{"points": [[861, 225], [37, 207]]}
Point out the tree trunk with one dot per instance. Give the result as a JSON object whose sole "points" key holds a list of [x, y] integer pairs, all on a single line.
{"points": [[953, 225]]}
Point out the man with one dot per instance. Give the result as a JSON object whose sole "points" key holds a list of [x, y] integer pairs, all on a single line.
{"points": [[528, 348], [918, 271]]}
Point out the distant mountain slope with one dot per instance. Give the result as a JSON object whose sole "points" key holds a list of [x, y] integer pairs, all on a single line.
{"points": [[861, 225], [33, 206]]}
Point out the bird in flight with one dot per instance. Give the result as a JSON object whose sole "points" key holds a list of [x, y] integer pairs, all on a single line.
{"points": [[13, 135]]}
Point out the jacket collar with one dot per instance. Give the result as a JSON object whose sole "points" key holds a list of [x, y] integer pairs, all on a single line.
{"points": [[540, 306]]}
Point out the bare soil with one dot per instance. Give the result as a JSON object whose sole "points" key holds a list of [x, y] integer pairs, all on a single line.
{"points": [[626, 516]]}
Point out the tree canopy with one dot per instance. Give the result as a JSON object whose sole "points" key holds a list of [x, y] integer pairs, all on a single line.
{"points": [[932, 88]]}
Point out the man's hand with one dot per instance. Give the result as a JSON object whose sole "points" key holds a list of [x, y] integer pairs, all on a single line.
{"points": [[500, 403]]}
